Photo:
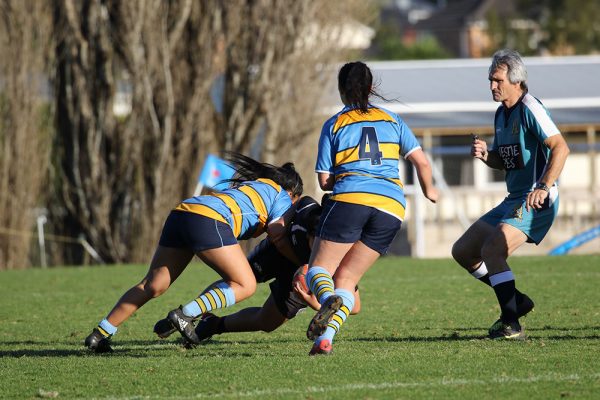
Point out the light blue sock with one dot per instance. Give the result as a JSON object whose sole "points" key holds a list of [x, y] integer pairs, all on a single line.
{"points": [[220, 295], [340, 316], [106, 328], [320, 282]]}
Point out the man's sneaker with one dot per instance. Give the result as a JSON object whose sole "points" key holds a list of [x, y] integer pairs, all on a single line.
{"points": [[324, 347], [319, 322], [510, 330], [523, 308], [207, 326], [97, 342], [184, 324]]}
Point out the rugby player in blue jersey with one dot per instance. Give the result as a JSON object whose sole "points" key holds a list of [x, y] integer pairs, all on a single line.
{"points": [[531, 150], [358, 159], [287, 298], [259, 200]]}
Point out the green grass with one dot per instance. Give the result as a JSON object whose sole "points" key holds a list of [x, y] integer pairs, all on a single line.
{"points": [[419, 336]]}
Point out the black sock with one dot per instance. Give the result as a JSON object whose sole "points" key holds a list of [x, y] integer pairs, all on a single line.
{"points": [[220, 326], [486, 279], [506, 294]]}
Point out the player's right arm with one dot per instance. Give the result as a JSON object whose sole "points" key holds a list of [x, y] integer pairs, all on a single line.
{"points": [[490, 157]]}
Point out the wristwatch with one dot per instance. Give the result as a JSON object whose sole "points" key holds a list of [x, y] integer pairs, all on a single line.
{"points": [[542, 186]]}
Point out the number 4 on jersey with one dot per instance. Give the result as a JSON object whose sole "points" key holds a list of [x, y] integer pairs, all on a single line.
{"points": [[368, 147]]}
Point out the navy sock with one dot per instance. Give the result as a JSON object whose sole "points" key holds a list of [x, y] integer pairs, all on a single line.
{"points": [[506, 293]]}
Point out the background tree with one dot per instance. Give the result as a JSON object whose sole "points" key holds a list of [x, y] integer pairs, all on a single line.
{"points": [[203, 77], [24, 128]]}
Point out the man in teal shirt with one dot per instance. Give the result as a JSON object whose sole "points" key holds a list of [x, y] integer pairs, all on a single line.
{"points": [[531, 150]]}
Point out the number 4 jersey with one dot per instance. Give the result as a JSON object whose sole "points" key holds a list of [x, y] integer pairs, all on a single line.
{"points": [[362, 151], [519, 140]]}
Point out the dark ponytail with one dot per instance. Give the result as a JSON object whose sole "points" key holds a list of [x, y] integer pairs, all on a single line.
{"points": [[355, 83], [248, 169]]}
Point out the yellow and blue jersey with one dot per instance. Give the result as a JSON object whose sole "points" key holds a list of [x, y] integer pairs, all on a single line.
{"points": [[247, 209], [519, 140], [362, 151]]}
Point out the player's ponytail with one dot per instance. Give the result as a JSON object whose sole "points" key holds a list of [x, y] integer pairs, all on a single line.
{"points": [[355, 84], [248, 169]]}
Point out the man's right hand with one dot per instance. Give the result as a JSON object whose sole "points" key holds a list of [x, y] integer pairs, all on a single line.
{"points": [[479, 148]]}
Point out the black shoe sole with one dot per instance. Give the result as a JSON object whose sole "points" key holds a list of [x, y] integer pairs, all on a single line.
{"points": [[318, 324]]}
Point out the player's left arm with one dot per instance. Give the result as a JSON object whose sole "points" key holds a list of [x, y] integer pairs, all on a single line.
{"points": [[559, 150]]}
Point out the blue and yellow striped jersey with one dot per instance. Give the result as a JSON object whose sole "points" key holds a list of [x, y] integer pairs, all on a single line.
{"points": [[362, 151], [247, 208]]}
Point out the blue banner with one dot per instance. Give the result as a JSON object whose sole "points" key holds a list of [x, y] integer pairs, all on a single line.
{"points": [[214, 172], [576, 241]]}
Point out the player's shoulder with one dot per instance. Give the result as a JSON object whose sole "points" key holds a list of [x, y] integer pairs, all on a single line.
{"points": [[533, 105]]}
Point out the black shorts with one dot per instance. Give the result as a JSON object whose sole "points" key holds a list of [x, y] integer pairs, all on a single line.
{"points": [[267, 263], [348, 223], [196, 232]]}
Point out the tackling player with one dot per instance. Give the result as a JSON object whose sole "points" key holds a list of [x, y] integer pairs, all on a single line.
{"points": [[210, 227]]}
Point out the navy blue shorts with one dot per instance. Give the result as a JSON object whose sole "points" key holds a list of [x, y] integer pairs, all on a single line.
{"points": [[348, 223], [195, 232], [268, 263]]}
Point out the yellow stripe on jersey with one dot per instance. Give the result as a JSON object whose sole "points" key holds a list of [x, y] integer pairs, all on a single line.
{"points": [[377, 201], [271, 183], [394, 180], [257, 202], [388, 150], [236, 212], [202, 210], [354, 116]]}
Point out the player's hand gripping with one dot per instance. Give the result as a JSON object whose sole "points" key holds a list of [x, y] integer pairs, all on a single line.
{"points": [[536, 199], [307, 297], [479, 148]]}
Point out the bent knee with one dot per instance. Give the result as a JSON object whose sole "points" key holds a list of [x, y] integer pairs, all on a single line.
{"points": [[243, 290], [461, 254], [154, 289]]}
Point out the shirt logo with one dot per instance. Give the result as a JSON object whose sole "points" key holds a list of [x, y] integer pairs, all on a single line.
{"points": [[512, 156], [515, 128]]}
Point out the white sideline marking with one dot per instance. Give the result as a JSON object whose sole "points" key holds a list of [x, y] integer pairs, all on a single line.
{"points": [[375, 386]]}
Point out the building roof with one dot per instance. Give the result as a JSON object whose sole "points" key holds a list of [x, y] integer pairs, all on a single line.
{"points": [[454, 95]]}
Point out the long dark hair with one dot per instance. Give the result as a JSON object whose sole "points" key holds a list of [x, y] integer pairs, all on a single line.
{"points": [[248, 169], [355, 83]]}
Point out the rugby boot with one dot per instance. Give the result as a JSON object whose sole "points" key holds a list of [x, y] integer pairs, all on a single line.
{"points": [[507, 330], [207, 326], [164, 328], [524, 306], [184, 324], [98, 342], [319, 322], [324, 347]]}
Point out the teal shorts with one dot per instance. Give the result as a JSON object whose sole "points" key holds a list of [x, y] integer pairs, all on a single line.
{"points": [[534, 223]]}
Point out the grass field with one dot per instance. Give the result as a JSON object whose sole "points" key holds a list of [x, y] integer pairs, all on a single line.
{"points": [[420, 335]]}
